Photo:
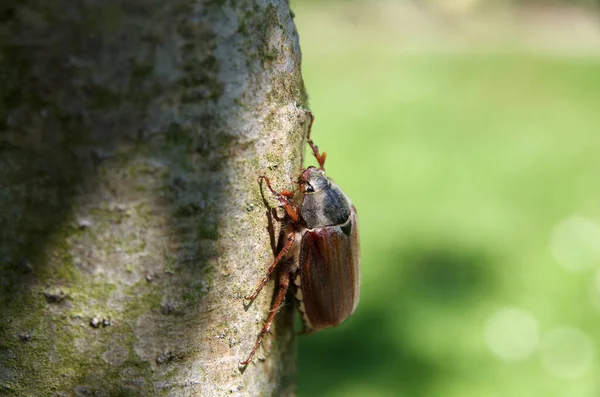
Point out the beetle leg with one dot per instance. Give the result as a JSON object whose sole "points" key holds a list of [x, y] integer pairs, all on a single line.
{"points": [[284, 284], [315, 149], [278, 259], [289, 208], [286, 193], [283, 201]]}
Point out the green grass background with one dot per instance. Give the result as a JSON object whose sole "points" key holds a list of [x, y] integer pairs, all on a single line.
{"points": [[461, 165]]}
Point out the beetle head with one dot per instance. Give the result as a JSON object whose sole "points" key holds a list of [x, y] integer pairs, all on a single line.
{"points": [[313, 180]]}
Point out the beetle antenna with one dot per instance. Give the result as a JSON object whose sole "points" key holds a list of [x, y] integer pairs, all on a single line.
{"points": [[315, 149]]}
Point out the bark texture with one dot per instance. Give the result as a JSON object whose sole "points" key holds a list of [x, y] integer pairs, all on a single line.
{"points": [[131, 223]]}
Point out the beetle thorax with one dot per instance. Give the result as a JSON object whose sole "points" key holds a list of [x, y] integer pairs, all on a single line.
{"points": [[322, 202]]}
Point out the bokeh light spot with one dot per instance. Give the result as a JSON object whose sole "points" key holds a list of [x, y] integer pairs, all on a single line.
{"points": [[512, 333], [568, 353], [575, 243]]}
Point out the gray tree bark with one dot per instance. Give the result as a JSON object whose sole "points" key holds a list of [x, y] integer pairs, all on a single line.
{"points": [[132, 134]]}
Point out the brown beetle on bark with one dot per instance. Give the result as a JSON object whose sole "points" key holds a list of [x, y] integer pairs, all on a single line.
{"points": [[320, 258]]}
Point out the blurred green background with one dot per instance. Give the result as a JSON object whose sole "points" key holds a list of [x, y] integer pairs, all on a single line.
{"points": [[469, 140]]}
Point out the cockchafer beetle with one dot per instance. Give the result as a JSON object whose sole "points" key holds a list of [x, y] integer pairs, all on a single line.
{"points": [[320, 258]]}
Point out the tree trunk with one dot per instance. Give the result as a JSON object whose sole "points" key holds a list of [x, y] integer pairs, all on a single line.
{"points": [[132, 225]]}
